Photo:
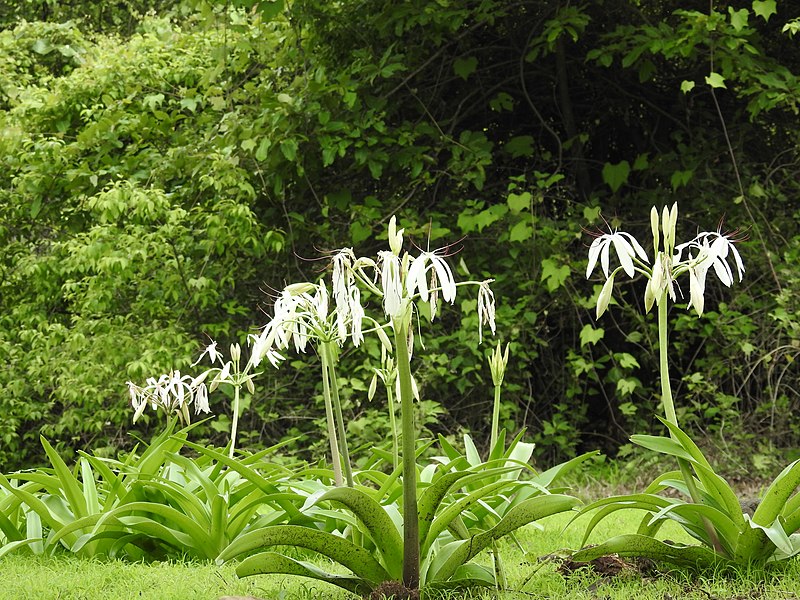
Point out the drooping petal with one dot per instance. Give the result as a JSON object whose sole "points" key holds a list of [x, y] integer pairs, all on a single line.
{"points": [[445, 277], [604, 258], [594, 253], [624, 252], [417, 278], [391, 284]]}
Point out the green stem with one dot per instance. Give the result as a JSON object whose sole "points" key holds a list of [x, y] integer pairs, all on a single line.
{"points": [[326, 393], [495, 419], [234, 419], [666, 389], [410, 511], [337, 408], [393, 425], [669, 412]]}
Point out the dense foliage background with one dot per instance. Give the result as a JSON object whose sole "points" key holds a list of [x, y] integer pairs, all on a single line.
{"points": [[166, 165]]}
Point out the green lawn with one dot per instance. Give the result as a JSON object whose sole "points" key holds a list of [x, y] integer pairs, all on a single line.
{"points": [[66, 578]]}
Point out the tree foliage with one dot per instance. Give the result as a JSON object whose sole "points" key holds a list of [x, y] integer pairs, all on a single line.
{"points": [[162, 173]]}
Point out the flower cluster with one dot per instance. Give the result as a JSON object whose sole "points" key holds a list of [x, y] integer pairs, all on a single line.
{"points": [[707, 251], [303, 314], [173, 393]]}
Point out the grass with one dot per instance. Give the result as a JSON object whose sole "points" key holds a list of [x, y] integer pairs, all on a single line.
{"points": [[68, 578]]}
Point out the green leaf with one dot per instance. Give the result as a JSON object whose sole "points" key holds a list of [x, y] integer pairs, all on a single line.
{"points": [[289, 149], [520, 232], [616, 175], [70, 486], [715, 80], [765, 8], [519, 202], [376, 521], [464, 67], [687, 86], [554, 274], [359, 560], [270, 9], [591, 335], [519, 146], [271, 562], [444, 566], [739, 18], [647, 547], [642, 162], [778, 494]]}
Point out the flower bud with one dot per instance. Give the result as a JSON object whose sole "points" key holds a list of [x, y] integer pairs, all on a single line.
{"points": [[395, 237], [654, 227], [605, 296]]}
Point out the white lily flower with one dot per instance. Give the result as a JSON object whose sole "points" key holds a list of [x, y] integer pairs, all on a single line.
{"points": [[711, 251], [261, 348], [486, 308], [392, 284], [343, 282], [173, 392], [212, 352], [201, 400], [356, 315], [626, 247], [417, 278]]}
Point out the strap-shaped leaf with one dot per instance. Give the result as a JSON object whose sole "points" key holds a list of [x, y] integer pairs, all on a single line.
{"points": [[448, 514], [272, 562], [691, 517], [361, 562], [9, 529], [254, 477], [646, 502], [70, 487], [754, 543], [633, 544], [553, 474], [178, 525], [443, 566], [376, 521], [777, 495]]}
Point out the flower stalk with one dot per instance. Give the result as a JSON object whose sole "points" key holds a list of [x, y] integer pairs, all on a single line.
{"points": [[411, 562]]}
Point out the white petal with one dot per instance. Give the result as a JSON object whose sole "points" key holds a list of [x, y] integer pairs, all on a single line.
{"points": [[604, 256], [594, 253], [416, 278], [624, 253], [445, 277]]}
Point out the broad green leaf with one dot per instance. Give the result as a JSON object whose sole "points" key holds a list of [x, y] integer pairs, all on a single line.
{"points": [[464, 67], [443, 567], [554, 274], [715, 80], [647, 502], [739, 18], [765, 8], [647, 547], [520, 232], [519, 146], [357, 559], [376, 521], [551, 475], [448, 514], [271, 562], [591, 335], [616, 175], [777, 495]]}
